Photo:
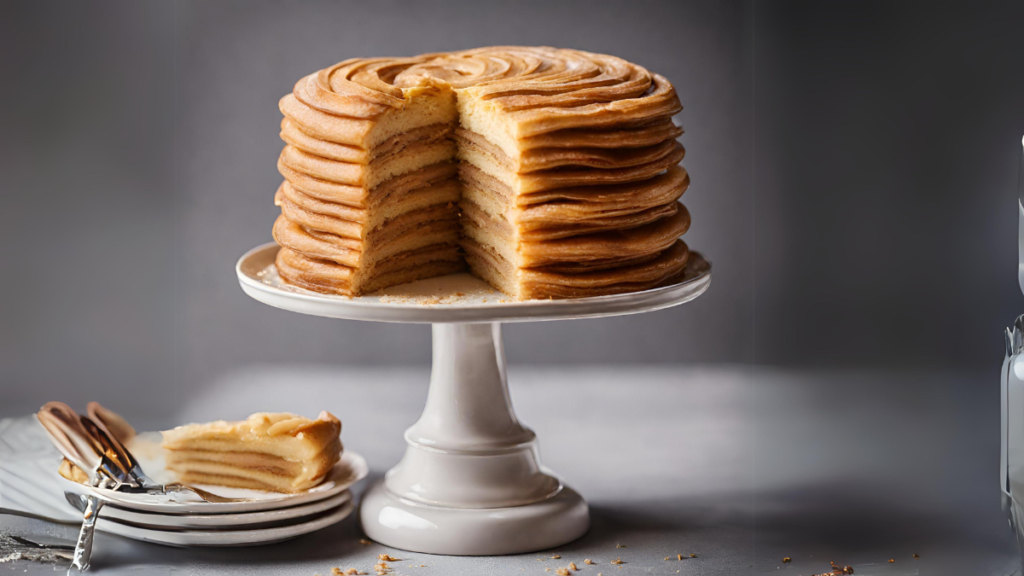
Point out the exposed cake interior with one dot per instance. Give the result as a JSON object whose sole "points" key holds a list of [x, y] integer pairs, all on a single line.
{"points": [[448, 180], [367, 218]]}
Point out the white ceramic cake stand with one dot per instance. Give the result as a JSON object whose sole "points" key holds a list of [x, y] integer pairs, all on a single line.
{"points": [[470, 482]]}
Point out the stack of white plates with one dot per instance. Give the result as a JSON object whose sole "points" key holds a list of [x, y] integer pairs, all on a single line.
{"points": [[190, 521]]}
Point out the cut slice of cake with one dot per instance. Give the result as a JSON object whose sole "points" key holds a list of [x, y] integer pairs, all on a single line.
{"points": [[274, 452]]}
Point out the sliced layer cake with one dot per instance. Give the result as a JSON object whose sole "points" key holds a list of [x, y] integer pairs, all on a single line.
{"points": [[554, 170]]}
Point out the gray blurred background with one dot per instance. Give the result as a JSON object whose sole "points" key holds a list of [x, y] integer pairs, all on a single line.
{"points": [[853, 166]]}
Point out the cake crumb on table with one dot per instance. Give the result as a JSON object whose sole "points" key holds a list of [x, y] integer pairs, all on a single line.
{"points": [[346, 572], [916, 557], [787, 560], [588, 561], [572, 566], [692, 555], [562, 572], [617, 561], [836, 570], [556, 556], [388, 558], [679, 556]]}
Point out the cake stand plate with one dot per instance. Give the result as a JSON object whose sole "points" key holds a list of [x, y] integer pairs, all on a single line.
{"points": [[470, 482]]}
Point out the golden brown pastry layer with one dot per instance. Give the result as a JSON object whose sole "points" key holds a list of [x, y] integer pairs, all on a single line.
{"points": [[333, 278], [553, 282]]}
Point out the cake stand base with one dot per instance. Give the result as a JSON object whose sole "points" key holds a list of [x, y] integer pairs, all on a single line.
{"points": [[400, 523], [470, 482]]}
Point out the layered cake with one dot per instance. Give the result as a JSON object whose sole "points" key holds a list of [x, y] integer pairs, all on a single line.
{"points": [[276, 452], [549, 173]]}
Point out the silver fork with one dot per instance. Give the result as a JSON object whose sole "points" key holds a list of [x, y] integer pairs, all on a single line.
{"points": [[66, 432]]}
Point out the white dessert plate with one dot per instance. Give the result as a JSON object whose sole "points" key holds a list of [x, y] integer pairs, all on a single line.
{"points": [[456, 297], [268, 518], [350, 469], [217, 538]]}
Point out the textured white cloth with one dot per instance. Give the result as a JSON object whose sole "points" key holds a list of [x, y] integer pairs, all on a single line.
{"points": [[29, 482]]}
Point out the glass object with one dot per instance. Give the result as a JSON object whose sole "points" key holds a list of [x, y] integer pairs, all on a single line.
{"points": [[1011, 454]]}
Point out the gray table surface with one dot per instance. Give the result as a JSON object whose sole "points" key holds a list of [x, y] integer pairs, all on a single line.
{"points": [[739, 465]]}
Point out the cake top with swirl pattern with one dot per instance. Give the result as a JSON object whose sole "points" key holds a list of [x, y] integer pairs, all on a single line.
{"points": [[542, 88]]}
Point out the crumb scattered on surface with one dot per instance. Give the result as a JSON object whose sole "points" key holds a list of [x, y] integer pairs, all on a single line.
{"points": [[365, 542], [916, 557], [667, 557], [388, 558], [891, 560], [836, 571], [620, 545], [556, 556], [787, 560], [588, 561], [346, 572], [381, 568], [427, 299], [692, 555], [13, 549], [572, 565], [617, 561], [562, 572], [679, 556]]}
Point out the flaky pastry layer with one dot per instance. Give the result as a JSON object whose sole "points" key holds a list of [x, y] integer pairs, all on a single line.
{"points": [[273, 451]]}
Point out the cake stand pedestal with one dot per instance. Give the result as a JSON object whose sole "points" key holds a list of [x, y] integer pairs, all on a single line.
{"points": [[470, 482]]}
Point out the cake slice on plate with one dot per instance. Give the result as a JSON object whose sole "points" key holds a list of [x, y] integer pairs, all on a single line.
{"points": [[275, 452]]}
